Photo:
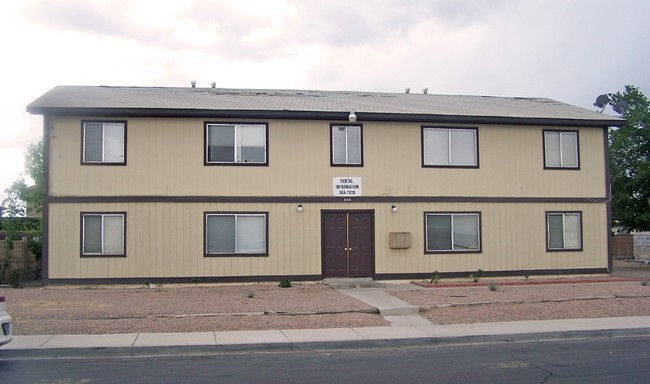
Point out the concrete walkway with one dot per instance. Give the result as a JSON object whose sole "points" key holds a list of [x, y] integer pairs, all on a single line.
{"points": [[386, 303]]}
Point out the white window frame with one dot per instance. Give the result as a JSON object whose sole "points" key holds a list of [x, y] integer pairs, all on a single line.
{"points": [[236, 215], [103, 216], [450, 152], [103, 159], [347, 162], [237, 147], [452, 215], [562, 140], [564, 247]]}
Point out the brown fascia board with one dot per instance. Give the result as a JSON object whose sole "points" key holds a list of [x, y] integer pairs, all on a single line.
{"points": [[324, 115]]}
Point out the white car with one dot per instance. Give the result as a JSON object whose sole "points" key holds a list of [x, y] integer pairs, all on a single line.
{"points": [[5, 322]]}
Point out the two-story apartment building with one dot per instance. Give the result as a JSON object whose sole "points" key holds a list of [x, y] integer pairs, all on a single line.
{"points": [[176, 184]]}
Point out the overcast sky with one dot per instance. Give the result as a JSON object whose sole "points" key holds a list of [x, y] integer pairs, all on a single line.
{"points": [[567, 50]]}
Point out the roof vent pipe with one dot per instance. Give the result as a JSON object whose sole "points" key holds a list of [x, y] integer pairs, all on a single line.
{"points": [[407, 90], [214, 85], [425, 90], [193, 84]]}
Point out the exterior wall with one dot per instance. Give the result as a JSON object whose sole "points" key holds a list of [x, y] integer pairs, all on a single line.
{"points": [[165, 158], [165, 240], [165, 188]]}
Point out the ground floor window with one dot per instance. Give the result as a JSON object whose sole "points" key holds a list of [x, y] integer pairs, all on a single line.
{"points": [[564, 231], [236, 234], [452, 232], [103, 234]]}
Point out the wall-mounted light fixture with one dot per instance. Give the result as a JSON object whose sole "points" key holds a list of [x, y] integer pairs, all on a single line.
{"points": [[300, 208], [353, 116], [393, 208]]}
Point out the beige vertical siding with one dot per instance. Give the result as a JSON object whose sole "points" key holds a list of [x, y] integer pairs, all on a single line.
{"points": [[166, 240], [165, 157]]}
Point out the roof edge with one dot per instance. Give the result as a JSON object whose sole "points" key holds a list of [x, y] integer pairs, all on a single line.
{"points": [[311, 115]]}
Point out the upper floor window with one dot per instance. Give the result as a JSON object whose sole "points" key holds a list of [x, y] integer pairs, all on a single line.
{"points": [[347, 145], [452, 232], [242, 144], [561, 150], [236, 234], [564, 231], [449, 147], [102, 234], [104, 142]]}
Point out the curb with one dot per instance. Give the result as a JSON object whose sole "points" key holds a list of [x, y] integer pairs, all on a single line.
{"points": [[289, 346]]}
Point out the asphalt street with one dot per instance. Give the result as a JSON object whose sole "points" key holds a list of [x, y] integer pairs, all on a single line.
{"points": [[621, 360]]}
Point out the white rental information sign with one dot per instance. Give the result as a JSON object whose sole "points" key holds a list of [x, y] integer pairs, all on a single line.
{"points": [[346, 186]]}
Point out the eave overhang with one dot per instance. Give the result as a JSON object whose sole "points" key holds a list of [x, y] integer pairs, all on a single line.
{"points": [[323, 115]]}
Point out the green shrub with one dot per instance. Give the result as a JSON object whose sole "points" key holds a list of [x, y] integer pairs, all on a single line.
{"points": [[477, 275], [15, 279], [285, 283]]}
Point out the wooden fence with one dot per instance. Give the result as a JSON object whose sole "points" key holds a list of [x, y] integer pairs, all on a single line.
{"points": [[623, 246]]}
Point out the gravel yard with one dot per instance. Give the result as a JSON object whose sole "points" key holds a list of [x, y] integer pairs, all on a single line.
{"points": [[530, 302], [193, 308], [172, 308]]}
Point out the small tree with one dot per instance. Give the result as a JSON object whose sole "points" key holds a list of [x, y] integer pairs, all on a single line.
{"points": [[35, 169], [15, 204]]}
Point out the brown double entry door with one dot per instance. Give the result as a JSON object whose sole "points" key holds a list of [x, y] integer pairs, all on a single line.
{"points": [[348, 239]]}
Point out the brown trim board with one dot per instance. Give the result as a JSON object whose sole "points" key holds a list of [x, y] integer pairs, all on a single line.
{"points": [[45, 213], [506, 273], [172, 280], [319, 199], [275, 278], [608, 175]]}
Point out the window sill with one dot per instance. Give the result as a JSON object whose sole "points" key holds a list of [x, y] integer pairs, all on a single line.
{"points": [[103, 255], [236, 255]]}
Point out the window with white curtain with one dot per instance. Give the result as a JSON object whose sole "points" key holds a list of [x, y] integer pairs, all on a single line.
{"points": [[104, 142], [236, 144], [347, 147], [103, 234], [564, 231], [561, 150], [235, 234], [449, 147], [452, 232]]}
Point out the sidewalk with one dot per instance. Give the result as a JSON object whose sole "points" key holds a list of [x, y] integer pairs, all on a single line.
{"points": [[144, 344]]}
